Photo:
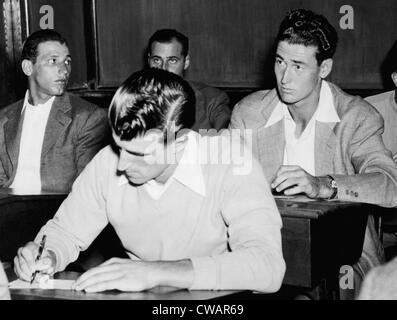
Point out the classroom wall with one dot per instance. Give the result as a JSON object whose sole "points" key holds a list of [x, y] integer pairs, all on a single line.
{"points": [[231, 40]]}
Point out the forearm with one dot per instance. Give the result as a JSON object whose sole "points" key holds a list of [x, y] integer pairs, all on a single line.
{"points": [[177, 274], [375, 188], [259, 268]]}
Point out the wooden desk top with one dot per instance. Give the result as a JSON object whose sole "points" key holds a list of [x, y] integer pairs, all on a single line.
{"points": [[303, 207], [158, 293], [9, 195]]}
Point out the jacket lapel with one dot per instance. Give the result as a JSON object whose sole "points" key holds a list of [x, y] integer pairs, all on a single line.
{"points": [[58, 120], [324, 148], [12, 133], [271, 142]]}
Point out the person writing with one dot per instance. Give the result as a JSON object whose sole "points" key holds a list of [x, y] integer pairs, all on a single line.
{"points": [[184, 220]]}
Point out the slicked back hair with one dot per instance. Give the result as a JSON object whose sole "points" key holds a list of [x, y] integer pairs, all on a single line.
{"points": [[307, 28], [30, 47], [152, 99]]}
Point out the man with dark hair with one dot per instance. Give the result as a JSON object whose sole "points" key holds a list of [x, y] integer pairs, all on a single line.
{"points": [[184, 221], [386, 103], [168, 49], [47, 138], [311, 137]]}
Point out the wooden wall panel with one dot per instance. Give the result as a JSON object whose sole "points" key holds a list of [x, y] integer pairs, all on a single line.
{"points": [[3, 56], [231, 39]]}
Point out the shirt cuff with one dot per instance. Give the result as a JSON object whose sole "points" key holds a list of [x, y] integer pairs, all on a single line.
{"points": [[204, 274]]}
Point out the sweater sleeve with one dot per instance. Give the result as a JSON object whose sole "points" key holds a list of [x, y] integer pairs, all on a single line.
{"points": [[255, 260], [82, 216]]}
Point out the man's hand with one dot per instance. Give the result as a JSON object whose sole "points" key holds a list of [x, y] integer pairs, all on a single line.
{"points": [[294, 180], [25, 262], [4, 292], [131, 275]]}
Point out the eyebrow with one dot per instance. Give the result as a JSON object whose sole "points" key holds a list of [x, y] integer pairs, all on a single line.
{"points": [[136, 153], [294, 61], [57, 55]]}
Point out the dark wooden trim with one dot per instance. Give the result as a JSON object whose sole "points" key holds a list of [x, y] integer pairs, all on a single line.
{"points": [[90, 31]]}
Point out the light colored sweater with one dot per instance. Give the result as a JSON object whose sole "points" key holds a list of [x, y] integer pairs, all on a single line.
{"points": [[232, 234]]}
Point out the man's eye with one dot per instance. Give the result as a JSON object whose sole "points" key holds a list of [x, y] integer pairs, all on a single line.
{"points": [[68, 62], [52, 61], [156, 60], [173, 60], [279, 62], [298, 67]]}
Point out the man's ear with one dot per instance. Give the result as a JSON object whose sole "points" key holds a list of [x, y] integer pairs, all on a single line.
{"points": [[326, 68], [187, 62], [27, 67], [394, 78]]}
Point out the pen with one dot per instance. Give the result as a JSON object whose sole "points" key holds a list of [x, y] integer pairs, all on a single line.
{"points": [[41, 249]]}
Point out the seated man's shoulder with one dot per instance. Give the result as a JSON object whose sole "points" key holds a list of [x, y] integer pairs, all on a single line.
{"points": [[380, 283], [108, 156], [225, 152], [82, 106], [10, 108], [252, 106], [208, 91], [381, 98]]}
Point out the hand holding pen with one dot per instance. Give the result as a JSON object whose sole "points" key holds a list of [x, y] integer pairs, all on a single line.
{"points": [[32, 257], [41, 249]]}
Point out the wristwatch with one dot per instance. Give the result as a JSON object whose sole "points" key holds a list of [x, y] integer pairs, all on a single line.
{"points": [[332, 184]]}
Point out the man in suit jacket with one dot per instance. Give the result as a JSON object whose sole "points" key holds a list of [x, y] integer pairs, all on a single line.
{"points": [[313, 138], [386, 102], [47, 138], [169, 50]]}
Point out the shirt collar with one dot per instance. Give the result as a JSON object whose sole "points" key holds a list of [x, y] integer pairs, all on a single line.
{"points": [[43, 105], [325, 111], [188, 171]]}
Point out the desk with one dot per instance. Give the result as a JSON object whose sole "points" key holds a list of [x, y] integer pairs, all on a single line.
{"points": [[22, 216], [158, 293], [319, 237]]}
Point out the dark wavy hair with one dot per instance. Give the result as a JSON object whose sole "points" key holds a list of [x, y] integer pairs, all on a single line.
{"points": [[30, 52], [307, 28], [167, 35], [152, 99]]}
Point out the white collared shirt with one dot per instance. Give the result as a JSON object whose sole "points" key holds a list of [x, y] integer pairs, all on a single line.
{"points": [[188, 172], [27, 178], [299, 151]]}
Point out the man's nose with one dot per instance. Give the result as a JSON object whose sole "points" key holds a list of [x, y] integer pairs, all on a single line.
{"points": [[123, 163], [164, 65], [63, 69], [285, 77]]}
